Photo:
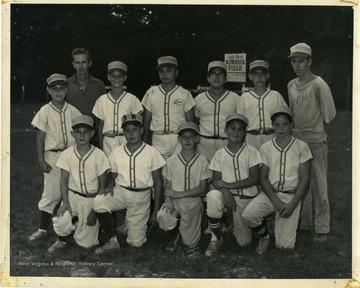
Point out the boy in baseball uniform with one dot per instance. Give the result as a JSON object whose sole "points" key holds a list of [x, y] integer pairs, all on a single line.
{"points": [[284, 178], [135, 170], [166, 106], [110, 107], [84, 170], [258, 103], [187, 176], [235, 177], [211, 110], [313, 106], [53, 135]]}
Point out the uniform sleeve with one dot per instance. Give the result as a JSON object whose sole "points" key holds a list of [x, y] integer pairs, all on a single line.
{"points": [[97, 111], [326, 102], [103, 164], [205, 171], [196, 108], [158, 159], [189, 102], [64, 160], [146, 100], [254, 157], [112, 160], [280, 99], [305, 152], [40, 120], [240, 106], [215, 163], [264, 153], [137, 108]]}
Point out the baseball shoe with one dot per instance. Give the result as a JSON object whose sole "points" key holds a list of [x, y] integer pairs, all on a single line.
{"points": [[263, 245], [174, 243], [320, 237], [193, 252], [57, 246], [39, 234], [110, 245], [122, 230], [213, 247]]}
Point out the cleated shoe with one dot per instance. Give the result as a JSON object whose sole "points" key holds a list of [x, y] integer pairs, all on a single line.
{"points": [[39, 234], [110, 245], [174, 243], [320, 238], [213, 247], [263, 245], [57, 246], [193, 252]]}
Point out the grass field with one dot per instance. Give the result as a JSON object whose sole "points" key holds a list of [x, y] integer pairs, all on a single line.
{"points": [[308, 260]]}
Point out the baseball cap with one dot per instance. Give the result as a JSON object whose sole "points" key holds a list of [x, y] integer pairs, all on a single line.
{"points": [[300, 50], [281, 109], [167, 221], [217, 64], [83, 121], [63, 225], [237, 116], [187, 126], [56, 79], [117, 66], [258, 64], [166, 61], [131, 119]]}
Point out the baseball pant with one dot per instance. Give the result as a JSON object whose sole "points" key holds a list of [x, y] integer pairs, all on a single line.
{"points": [[137, 215], [208, 147], [318, 192], [51, 195], [84, 235], [215, 209], [109, 143], [285, 228], [167, 144], [257, 140], [190, 211]]}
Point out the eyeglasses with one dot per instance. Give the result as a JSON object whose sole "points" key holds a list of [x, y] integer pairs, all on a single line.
{"points": [[58, 89], [217, 75]]}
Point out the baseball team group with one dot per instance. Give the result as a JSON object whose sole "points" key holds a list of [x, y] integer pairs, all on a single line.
{"points": [[215, 163]]}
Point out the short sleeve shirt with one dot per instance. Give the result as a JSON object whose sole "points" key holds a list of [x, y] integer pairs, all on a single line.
{"points": [[235, 166], [168, 108], [110, 110], [84, 170], [284, 162], [186, 175], [56, 124], [135, 169]]}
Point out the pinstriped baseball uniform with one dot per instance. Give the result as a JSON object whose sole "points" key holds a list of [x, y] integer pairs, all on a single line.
{"points": [[234, 167], [57, 126], [185, 175], [110, 111], [83, 186], [212, 114], [257, 109], [135, 171], [283, 164], [168, 112]]}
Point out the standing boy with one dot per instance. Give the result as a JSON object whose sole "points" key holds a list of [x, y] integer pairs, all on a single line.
{"points": [[166, 106], [284, 178], [135, 169], [110, 107], [187, 176], [235, 178], [53, 135], [258, 103], [83, 174], [211, 110], [312, 103]]}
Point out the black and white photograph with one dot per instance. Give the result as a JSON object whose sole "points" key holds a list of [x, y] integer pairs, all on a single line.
{"points": [[159, 144]]}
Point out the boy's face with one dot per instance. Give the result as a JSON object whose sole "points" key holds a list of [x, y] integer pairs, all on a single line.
{"points": [[188, 140], [168, 74], [58, 93], [133, 133], [82, 135], [81, 64], [282, 126], [259, 77], [236, 131], [301, 65], [117, 79], [217, 77]]}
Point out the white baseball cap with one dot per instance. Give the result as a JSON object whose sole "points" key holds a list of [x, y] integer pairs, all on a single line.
{"points": [[167, 221], [56, 79], [281, 109], [131, 119], [217, 64], [258, 64], [83, 121], [237, 116], [188, 126], [117, 66], [63, 225], [300, 50], [166, 61]]}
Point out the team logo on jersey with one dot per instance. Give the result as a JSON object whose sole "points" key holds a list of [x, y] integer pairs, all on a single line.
{"points": [[177, 102]]}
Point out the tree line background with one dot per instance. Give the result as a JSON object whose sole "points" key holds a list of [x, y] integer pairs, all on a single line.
{"points": [[43, 36]]}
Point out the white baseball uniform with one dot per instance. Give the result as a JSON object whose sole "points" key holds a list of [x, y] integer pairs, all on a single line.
{"points": [[83, 187], [234, 167], [57, 126], [110, 111], [257, 109], [212, 114], [283, 164], [132, 189], [168, 112], [185, 175]]}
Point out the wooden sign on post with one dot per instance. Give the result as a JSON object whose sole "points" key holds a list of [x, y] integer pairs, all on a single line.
{"points": [[236, 67]]}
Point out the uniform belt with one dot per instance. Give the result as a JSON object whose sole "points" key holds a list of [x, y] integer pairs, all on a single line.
{"points": [[261, 132], [113, 135], [213, 137], [82, 194], [164, 132], [56, 150], [136, 189], [286, 191]]}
